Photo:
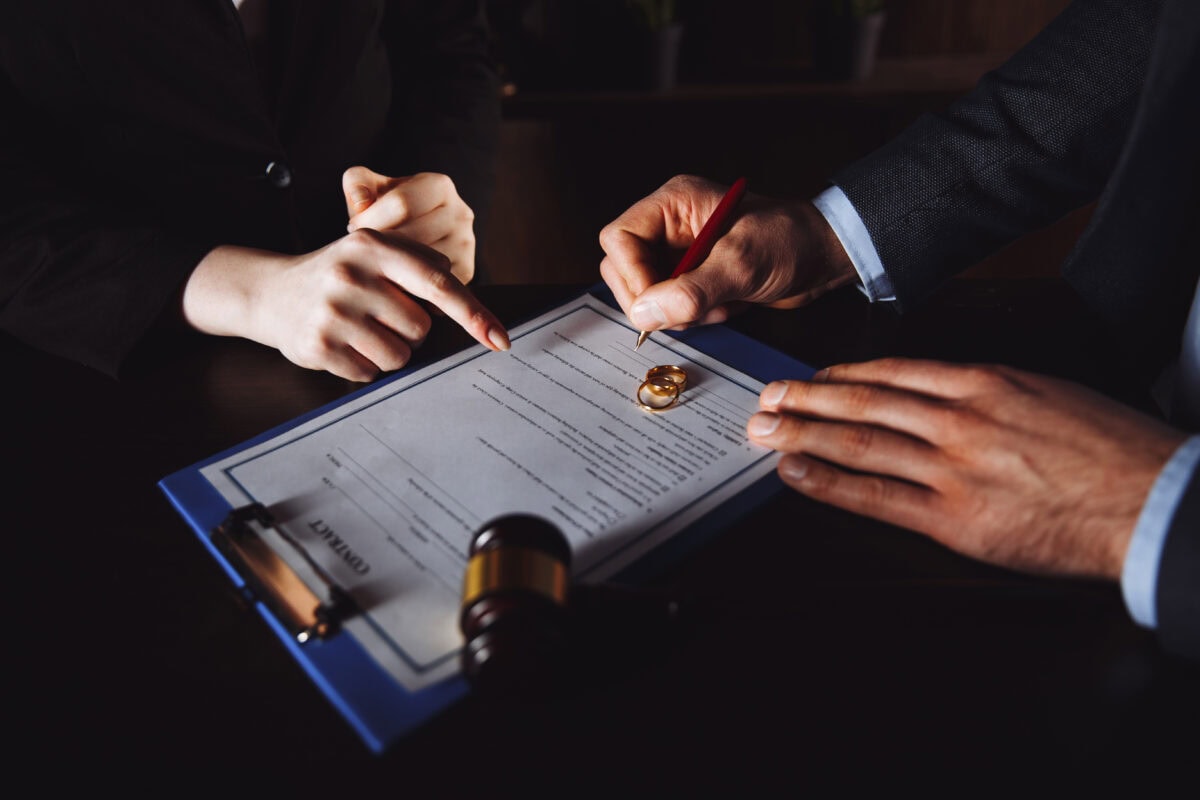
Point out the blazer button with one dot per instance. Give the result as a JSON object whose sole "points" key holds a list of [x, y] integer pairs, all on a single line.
{"points": [[279, 174]]}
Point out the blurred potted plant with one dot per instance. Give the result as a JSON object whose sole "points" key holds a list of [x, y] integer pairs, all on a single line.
{"points": [[846, 37], [655, 15], [661, 31]]}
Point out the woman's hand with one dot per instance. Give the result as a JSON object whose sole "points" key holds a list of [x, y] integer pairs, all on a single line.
{"points": [[350, 308], [424, 207]]}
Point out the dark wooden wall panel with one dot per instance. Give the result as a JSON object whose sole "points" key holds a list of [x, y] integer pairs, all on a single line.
{"points": [[937, 27], [573, 158]]}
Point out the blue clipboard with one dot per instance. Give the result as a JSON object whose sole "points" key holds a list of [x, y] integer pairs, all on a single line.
{"points": [[376, 706]]}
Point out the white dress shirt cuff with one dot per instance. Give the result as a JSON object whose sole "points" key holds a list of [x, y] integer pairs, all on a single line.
{"points": [[1139, 574], [852, 233]]}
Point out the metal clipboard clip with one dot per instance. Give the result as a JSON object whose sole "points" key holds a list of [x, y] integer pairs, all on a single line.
{"points": [[306, 612]]}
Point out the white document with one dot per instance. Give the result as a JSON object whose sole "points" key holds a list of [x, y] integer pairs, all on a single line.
{"points": [[387, 490]]}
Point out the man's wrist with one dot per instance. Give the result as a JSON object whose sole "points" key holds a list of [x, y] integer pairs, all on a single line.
{"points": [[856, 242], [1139, 574]]}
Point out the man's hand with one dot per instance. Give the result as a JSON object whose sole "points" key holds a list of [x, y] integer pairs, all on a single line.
{"points": [[1019, 470], [424, 207], [782, 254]]}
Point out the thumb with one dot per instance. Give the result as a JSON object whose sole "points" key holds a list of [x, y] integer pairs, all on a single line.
{"points": [[361, 187], [705, 295]]}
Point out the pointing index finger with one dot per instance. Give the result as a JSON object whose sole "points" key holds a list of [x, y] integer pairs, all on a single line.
{"points": [[425, 273]]}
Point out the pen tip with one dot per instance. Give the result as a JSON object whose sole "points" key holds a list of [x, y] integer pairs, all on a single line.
{"points": [[641, 338]]}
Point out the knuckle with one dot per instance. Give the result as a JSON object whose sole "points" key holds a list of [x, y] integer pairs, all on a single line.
{"points": [[311, 352], [398, 361], [397, 205], [478, 320], [608, 270], [361, 240], [609, 236], [954, 423], [891, 366], [956, 416], [396, 357], [856, 440], [421, 326], [822, 482], [861, 398], [684, 183], [441, 281], [342, 274], [987, 378], [359, 373], [874, 492], [325, 318]]}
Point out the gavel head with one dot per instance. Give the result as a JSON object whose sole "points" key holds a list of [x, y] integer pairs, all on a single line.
{"points": [[514, 615]]}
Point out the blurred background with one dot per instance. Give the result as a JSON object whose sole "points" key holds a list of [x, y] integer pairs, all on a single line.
{"points": [[604, 100]]}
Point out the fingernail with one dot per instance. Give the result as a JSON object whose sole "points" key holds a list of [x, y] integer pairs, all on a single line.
{"points": [[647, 314], [763, 424], [793, 468], [772, 394], [360, 197], [499, 338], [821, 376]]}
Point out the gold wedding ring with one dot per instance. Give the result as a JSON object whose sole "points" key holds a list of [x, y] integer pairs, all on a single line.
{"points": [[673, 373], [661, 388], [657, 394]]}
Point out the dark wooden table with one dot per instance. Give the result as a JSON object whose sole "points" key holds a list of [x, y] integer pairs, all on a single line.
{"points": [[827, 649]]}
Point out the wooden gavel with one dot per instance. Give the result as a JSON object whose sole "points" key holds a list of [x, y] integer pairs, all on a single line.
{"points": [[529, 631]]}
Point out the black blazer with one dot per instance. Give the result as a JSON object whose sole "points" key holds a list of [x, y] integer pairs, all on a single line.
{"points": [[136, 136], [1101, 106]]}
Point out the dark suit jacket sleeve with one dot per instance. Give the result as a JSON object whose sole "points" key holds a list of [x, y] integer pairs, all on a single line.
{"points": [[1034, 140], [129, 149], [1177, 596], [64, 255]]}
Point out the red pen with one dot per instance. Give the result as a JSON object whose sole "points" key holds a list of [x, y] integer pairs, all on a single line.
{"points": [[707, 237]]}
